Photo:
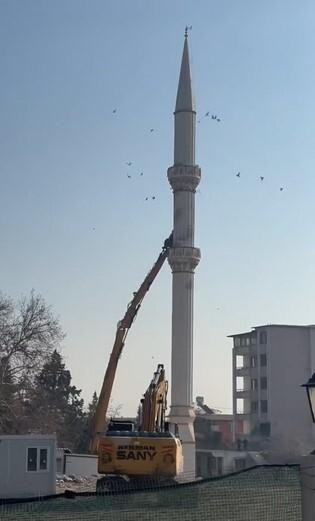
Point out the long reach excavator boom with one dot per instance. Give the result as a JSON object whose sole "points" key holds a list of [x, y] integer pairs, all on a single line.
{"points": [[120, 339]]}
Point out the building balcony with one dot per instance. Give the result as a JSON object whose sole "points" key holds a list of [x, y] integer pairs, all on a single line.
{"points": [[243, 416], [246, 393], [243, 350], [246, 370]]}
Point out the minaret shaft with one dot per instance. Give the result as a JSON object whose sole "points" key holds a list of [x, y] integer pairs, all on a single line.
{"points": [[184, 138], [184, 177]]}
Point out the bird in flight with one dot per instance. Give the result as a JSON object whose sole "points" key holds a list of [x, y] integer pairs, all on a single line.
{"points": [[114, 111], [281, 189], [207, 114], [218, 120], [198, 121], [238, 174], [141, 173], [153, 197], [129, 163], [151, 129], [129, 176], [261, 177], [146, 198], [93, 229], [213, 116]]}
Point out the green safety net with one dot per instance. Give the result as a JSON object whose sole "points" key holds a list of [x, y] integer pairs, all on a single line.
{"points": [[266, 493]]}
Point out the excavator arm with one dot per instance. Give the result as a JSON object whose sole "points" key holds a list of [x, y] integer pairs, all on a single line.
{"points": [[153, 404], [120, 339]]}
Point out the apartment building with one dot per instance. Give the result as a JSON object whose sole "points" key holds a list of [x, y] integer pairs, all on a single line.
{"points": [[216, 452], [270, 363]]}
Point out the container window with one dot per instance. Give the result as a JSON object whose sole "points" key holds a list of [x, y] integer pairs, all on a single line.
{"points": [[43, 459], [31, 459], [37, 459]]}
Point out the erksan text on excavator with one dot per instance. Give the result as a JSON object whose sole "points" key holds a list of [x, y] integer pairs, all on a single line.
{"points": [[136, 447]]}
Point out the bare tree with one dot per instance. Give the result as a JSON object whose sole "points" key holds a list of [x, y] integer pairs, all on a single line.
{"points": [[28, 333]]}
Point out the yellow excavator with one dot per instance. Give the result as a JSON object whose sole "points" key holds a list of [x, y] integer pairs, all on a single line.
{"points": [[135, 456]]}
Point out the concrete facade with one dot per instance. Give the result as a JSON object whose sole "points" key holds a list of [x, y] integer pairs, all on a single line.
{"points": [[269, 365], [27, 466], [184, 177], [216, 462]]}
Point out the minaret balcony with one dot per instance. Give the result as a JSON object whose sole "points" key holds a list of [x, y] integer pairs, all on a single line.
{"points": [[183, 177], [184, 258]]}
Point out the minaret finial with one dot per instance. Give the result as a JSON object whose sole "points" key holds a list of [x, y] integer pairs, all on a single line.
{"points": [[187, 28]]}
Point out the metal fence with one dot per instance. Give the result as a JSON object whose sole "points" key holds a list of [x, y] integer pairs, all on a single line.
{"points": [[267, 493]]}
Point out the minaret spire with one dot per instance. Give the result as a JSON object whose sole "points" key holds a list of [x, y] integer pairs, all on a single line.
{"points": [[185, 114], [184, 177], [185, 100]]}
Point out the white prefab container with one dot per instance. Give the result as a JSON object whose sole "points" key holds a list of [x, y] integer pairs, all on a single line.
{"points": [[81, 464], [27, 465]]}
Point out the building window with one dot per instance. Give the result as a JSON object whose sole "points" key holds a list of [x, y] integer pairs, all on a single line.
{"points": [[253, 340], [253, 361], [247, 341], [219, 462], [253, 384], [239, 406], [239, 463], [209, 465], [243, 341], [253, 406], [239, 362], [237, 341], [265, 429], [263, 360], [37, 459], [263, 382], [198, 469], [263, 406], [263, 337]]}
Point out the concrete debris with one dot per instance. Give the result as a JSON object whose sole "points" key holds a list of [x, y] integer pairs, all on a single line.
{"points": [[75, 483]]}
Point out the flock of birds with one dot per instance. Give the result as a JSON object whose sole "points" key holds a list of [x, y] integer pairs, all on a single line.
{"points": [[129, 163], [261, 177], [214, 117]]}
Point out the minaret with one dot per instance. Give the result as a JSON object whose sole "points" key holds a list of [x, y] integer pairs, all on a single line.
{"points": [[184, 177]]}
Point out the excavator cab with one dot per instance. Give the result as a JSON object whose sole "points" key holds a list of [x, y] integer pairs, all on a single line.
{"points": [[120, 425]]}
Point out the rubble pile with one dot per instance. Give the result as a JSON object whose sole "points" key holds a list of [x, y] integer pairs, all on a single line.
{"points": [[76, 483]]}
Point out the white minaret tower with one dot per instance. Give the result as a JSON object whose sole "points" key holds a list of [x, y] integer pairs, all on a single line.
{"points": [[183, 258]]}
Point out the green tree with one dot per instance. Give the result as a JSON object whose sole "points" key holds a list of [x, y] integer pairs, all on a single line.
{"points": [[87, 427], [56, 404]]}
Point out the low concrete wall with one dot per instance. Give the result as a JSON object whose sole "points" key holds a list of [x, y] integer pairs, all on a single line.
{"points": [[81, 464]]}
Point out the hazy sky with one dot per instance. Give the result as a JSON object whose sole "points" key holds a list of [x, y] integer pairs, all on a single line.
{"points": [[65, 66]]}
